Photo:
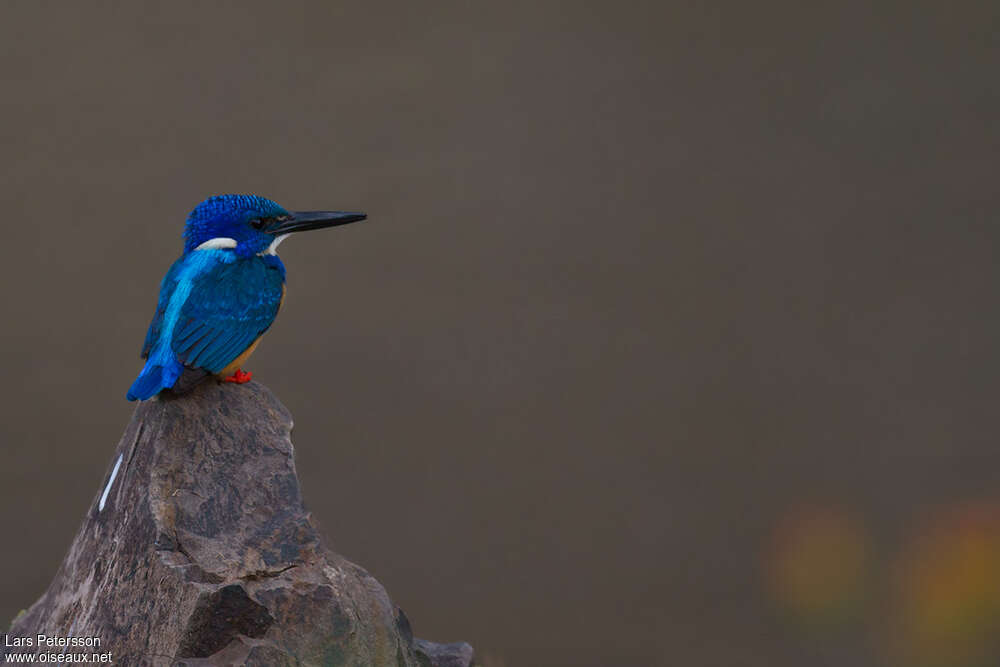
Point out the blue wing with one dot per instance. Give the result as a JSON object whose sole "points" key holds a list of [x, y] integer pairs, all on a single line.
{"points": [[166, 291], [228, 309], [212, 306]]}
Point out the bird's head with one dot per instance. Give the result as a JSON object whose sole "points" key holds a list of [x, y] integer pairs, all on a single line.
{"points": [[252, 225]]}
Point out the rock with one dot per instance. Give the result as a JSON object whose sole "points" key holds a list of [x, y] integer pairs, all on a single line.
{"points": [[459, 654], [197, 550]]}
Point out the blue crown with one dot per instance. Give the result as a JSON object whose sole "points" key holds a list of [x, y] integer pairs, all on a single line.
{"points": [[226, 216]]}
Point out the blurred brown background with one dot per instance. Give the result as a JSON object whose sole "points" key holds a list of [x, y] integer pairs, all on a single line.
{"points": [[671, 339]]}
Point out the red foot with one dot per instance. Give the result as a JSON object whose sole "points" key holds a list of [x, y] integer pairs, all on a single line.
{"points": [[239, 377]]}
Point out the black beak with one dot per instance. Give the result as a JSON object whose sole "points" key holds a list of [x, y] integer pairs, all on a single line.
{"points": [[302, 221]]}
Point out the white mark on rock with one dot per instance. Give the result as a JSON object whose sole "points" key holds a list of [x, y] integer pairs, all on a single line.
{"points": [[111, 480]]}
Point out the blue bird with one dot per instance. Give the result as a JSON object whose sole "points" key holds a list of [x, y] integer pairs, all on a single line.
{"points": [[223, 293]]}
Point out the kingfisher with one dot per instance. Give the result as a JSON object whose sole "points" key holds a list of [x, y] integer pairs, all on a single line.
{"points": [[223, 293]]}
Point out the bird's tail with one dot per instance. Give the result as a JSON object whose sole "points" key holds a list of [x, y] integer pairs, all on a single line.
{"points": [[156, 376]]}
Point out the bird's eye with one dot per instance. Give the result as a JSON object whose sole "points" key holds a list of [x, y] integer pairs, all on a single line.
{"points": [[257, 223], [283, 218]]}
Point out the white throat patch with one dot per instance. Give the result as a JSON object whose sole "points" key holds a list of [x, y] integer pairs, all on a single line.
{"points": [[273, 248]]}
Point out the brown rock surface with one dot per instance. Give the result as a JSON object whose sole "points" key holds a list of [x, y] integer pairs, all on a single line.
{"points": [[203, 553]]}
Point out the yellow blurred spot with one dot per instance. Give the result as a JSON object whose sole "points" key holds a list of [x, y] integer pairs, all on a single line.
{"points": [[949, 588], [817, 564]]}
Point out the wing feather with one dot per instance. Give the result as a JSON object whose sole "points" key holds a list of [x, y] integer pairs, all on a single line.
{"points": [[227, 310], [167, 286]]}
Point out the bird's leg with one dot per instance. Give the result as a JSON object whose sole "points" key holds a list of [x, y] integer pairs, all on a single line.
{"points": [[239, 377]]}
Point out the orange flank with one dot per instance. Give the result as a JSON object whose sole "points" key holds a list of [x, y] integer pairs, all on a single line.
{"points": [[232, 372], [238, 362]]}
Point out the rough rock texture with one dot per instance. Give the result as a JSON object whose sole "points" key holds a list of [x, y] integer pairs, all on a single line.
{"points": [[458, 654], [203, 553]]}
